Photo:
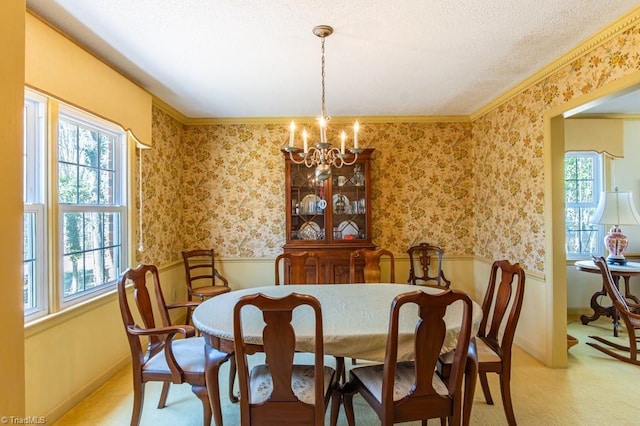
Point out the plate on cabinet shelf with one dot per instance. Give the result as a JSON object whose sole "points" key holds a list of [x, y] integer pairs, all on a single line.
{"points": [[309, 231], [348, 227]]}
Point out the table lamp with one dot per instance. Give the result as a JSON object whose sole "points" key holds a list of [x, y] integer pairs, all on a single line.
{"points": [[616, 208]]}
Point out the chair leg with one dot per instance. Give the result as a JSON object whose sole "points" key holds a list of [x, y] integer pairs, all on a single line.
{"points": [[505, 389], [187, 320], [232, 378], [164, 394], [336, 398], [613, 354], [485, 387], [347, 400], [203, 395], [214, 394], [138, 401], [340, 369], [612, 344]]}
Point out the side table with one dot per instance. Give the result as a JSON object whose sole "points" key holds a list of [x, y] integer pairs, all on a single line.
{"points": [[631, 269]]}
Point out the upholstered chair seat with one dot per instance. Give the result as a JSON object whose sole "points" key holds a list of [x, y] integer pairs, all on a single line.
{"points": [[302, 383], [372, 377]]}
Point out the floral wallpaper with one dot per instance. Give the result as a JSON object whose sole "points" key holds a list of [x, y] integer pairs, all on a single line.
{"points": [[508, 152], [162, 205], [472, 188]]}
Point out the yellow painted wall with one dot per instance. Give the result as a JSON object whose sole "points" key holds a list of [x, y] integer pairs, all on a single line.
{"points": [[12, 399]]}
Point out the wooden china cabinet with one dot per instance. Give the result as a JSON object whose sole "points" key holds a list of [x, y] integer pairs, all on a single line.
{"points": [[331, 217]]}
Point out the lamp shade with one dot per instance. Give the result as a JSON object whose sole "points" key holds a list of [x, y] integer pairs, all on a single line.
{"points": [[616, 208]]}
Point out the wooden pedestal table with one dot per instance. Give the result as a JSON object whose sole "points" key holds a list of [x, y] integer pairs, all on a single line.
{"points": [[631, 269]]}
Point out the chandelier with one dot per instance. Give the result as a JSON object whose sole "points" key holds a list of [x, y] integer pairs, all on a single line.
{"points": [[323, 156]]}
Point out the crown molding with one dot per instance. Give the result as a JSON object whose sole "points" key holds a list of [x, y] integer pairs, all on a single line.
{"points": [[607, 33], [200, 121], [165, 107], [628, 117]]}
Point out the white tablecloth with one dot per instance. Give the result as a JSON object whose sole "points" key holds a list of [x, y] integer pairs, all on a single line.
{"points": [[355, 318]]}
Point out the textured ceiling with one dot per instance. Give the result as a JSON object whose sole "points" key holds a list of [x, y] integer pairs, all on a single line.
{"points": [[258, 58]]}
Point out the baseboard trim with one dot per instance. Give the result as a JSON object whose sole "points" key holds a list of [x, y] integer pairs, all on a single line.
{"points": [[69, 403]]}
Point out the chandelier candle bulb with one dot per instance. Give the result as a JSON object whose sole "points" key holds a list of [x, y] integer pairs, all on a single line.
{"points": [[343, 137], [304, 140], [356, 128], [292, 129], [322, 129]]}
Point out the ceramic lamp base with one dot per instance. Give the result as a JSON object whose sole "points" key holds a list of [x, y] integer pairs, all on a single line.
{"points": [[616, 243]]}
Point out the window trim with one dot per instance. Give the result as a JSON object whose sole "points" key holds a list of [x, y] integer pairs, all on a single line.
{"points": [[51, 247], [599, 185], [80, 117], [34, 197]]}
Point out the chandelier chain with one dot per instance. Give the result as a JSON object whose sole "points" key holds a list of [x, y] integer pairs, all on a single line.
{"points": [[324, 111]]}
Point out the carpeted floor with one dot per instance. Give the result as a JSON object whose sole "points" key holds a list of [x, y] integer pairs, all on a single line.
{"points": [[594, 390]]}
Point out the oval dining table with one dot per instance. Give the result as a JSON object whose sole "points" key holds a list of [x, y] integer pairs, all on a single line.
{"points": [[355, 324]]}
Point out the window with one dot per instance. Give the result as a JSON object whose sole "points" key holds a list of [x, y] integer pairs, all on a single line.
{"points": [[89, 194], [583, 182], [34, 235]]}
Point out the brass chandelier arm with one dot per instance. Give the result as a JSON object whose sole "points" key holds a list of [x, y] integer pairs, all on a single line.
{"points": [[316, 156]]}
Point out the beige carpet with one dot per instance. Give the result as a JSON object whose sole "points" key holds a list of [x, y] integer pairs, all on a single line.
{"points": [[594, 390]]}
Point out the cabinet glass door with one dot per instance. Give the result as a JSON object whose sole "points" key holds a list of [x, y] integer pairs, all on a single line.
{"points": [[348, 203], [308, 205]]}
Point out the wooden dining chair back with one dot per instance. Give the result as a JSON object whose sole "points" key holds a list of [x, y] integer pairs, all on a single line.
{"points": [[160, 351], [295, 268], [413, 390], [630, 314], [500, 313], [372, 271], [421, 259], [202, 278], [280, 391]]}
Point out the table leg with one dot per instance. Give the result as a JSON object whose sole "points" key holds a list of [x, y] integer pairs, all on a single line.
{"points": [[599, 310], [470, 379]]}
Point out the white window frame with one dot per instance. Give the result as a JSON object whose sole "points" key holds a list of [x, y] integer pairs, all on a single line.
{"points": [[598, 187], [80, 117], [34, 190], [41, 198]]}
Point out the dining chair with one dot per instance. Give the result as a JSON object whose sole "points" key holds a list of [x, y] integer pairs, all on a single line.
{"points": [[160, 351], [372, 272], [295, 268], [421, 257], [630, 314], [412, 390], [500, 313], [202, 278], [281, 391]]}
